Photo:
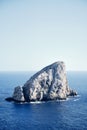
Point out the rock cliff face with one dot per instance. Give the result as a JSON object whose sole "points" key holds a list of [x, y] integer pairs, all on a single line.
{"points": [[48, 84]]}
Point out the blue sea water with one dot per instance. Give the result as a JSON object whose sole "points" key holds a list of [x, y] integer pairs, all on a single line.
{"points": [[54, 115]]}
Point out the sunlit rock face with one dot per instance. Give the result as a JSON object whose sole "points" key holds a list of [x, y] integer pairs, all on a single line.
{"points": [[48, 84]]}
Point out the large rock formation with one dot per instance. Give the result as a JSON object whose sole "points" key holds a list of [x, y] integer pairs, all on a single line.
{"points": [[48, 84]]}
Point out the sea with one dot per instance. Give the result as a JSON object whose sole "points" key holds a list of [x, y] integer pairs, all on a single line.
{"points": [[70, 114]]}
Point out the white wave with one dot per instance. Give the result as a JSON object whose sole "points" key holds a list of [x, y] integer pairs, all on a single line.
{"points": [[63, 100], [40, 102], [37, 102], [78, 96], [76, 99]]}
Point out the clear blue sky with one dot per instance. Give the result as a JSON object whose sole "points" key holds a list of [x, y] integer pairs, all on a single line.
{"points": [[35, 33]]}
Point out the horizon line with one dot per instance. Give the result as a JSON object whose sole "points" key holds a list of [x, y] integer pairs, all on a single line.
{"points": [[35, 70]]}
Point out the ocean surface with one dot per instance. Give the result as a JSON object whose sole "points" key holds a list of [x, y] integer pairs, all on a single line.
{"points": [[54, 115]]}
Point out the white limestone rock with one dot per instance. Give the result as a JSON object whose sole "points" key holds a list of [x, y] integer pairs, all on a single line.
{"points": [[48, 84]]}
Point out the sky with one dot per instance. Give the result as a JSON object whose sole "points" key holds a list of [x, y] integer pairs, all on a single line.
{"points": [[36, 33]]}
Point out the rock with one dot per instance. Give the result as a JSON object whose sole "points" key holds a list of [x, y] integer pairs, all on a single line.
{"points": [[18, 94], [48, 84], [72, 93], [9, 99]]}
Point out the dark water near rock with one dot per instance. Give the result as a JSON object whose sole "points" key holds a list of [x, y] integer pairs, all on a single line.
{"points": [[63, 115]]}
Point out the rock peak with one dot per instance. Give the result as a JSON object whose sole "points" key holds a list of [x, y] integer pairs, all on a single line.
{"points": [[51, 66]]}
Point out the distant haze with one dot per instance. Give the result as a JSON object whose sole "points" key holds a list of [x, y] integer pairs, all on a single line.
{"points": [[36, 33]]}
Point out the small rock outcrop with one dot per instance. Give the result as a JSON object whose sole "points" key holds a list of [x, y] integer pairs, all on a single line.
{"points": [[48, 84], [18, 94]]}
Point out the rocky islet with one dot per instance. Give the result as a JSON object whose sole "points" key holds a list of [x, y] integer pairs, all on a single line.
{"points": [[50, 83]]}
